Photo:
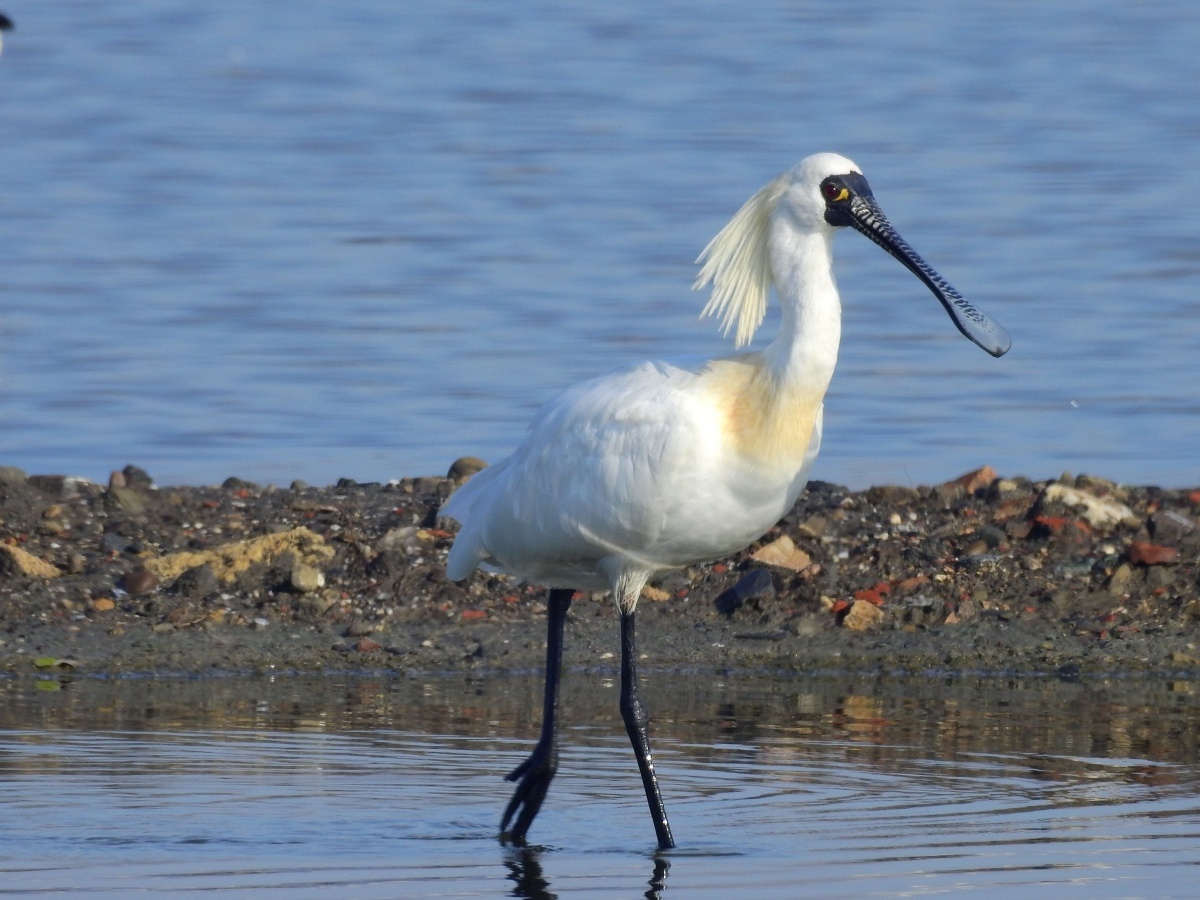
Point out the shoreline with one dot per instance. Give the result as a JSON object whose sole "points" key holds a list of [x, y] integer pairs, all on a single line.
{"points": [[980, 574]]}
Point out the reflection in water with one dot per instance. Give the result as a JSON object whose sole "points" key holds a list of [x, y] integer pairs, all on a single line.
{"points": [[393, 786]]}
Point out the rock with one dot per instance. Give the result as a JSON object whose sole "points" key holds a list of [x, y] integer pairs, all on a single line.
{"points": [[306, 579], [757, 583], [970, 482], [198, 581], [15, 561], [315, 604], [237, 484], [367, 645], [1169, 526], [58, 485], [1118, 581], [103, 604], [812, 527], [464, 467], [230, 560], [12, 475], [1099, 512], [1146, 554], [658, 595], [137, 478], [139, 581], [127, 499], [405, 539], [862, 616], [783, 553]]}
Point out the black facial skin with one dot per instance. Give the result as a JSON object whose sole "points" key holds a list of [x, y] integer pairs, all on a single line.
{"points": [[849, 201]]}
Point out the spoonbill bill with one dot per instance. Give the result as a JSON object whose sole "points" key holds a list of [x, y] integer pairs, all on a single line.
{"points": [[661, 465]]}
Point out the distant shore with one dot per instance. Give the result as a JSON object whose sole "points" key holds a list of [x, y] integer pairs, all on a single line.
{"points": [[982, 573]]}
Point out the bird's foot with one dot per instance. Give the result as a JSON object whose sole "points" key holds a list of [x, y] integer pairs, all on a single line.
{"points": [[533, 779]]}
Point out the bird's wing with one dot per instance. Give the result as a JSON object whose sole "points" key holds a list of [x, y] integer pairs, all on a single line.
{"points": [[596, 474]]}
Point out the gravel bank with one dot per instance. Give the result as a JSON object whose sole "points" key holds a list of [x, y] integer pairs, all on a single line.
{"points": [[981, 573]]}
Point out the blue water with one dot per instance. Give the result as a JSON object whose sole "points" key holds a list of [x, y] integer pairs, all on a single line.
{"points": [[362, 239], [777, 788]]}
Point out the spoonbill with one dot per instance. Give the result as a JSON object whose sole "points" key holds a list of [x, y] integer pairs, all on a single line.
{"points": [[661, 465]]}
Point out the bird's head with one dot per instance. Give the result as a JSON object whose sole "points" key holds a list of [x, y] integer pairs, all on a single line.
{"points": [[822, 191]]}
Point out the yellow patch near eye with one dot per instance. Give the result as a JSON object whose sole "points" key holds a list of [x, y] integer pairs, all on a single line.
{"points": [[842, 194]]}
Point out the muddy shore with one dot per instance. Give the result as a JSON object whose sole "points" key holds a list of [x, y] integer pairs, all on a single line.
{"points": [[1071, 578]]}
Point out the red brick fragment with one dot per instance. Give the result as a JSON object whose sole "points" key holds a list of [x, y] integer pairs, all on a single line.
{"points": [[1148, 554], [473, 615]]}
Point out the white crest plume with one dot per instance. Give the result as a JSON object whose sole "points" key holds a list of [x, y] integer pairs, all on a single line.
{"points": [[738, 265]]}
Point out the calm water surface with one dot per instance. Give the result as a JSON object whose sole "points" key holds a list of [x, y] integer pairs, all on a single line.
{"points": [[777, 788], [363, 239]]}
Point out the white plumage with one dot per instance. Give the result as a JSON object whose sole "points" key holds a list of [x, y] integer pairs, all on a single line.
{"points": [[660, 465]]}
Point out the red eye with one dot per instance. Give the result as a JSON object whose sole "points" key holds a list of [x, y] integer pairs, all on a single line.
{"points": [[833, 191]]}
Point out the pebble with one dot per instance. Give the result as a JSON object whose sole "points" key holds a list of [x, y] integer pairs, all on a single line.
{"points": [[1118, 582], [464, 467], [757, 583], [139, 581], [782, 553], [15, 561], [1147, 554], [862, 616], [12, 475], [1169, 526], [306, 579], [812, 527], [1099, 512], [127, 499], [198, 581]]}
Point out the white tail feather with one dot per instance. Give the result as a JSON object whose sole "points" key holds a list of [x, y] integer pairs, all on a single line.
{"points": [[738, 265]]}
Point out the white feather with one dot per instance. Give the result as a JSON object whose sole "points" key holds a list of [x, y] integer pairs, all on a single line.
{"points": [[738, 265]]}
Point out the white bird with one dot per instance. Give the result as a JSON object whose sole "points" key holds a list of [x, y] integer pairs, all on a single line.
{"points": [[626, 477]]}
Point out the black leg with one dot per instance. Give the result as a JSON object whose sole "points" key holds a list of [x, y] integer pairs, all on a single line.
{"points": [[536, 773], [635, 724]]}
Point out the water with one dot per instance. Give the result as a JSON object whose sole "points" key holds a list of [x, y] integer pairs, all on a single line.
{"points": [[364, 239], [777, 788]]}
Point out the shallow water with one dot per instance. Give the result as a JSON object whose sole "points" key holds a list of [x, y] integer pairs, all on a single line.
{"points": [[381, 787], [364, 239]]}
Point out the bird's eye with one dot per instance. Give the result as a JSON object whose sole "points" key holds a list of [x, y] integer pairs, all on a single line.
{"points": [[834, 192]]}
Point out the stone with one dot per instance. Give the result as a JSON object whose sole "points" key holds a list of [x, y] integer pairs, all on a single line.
{"points": [[139, 581], [1169, 526], [12, 475], [464, 467], [1099, 512], [755, 584], [970, 482], [198, 581], [16, 561], [137, 478], [812, 527], [230, 560], [658, 595], [782, 553], [127, 499], [305, 579], [1147, 554], [1118, 581], [862, 616]]}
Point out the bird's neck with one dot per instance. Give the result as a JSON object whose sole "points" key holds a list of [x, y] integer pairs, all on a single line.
{"points": [[804, 352]]}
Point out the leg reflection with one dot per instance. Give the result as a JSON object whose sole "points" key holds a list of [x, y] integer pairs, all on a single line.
{"points": [[525, 872]]}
